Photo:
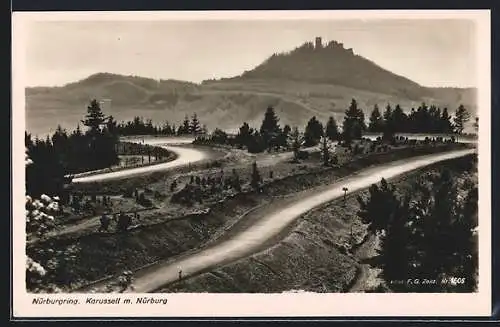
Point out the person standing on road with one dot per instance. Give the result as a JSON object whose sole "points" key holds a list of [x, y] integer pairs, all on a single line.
{"points": [[104, 223]]}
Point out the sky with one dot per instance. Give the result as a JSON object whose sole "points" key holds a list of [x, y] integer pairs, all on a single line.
{"points": [[429, 52]]}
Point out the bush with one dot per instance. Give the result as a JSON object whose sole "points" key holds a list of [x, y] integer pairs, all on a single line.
{"points": [[302, 155], [143, 201], [158, 195], [173, 186], [343, 249], [187, 195], [334, 160], [357, 150]]}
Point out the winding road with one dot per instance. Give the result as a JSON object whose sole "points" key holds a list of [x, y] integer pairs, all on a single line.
{"points": [[249, 241], [185, 156]]}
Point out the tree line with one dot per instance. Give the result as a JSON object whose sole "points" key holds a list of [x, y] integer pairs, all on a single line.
{"points": [[271, 135], [95, 147], [69, 153], [426, 232], [138, 126], [424, 119]]}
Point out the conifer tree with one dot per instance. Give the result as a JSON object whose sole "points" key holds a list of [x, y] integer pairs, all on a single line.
{"points": [[332, 131], [270, 128], [462, 116], [195, 126], [445, 122], [325, 151], [399, 119], [378, 210], [395, 254], [285, 134], [184, 128], [94, 118], [376, 121], [354, 123], [243, 138], [313, 132], [389, 128]]}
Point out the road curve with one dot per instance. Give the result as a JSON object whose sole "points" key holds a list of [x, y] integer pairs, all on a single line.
{"points": [[185, 156], [249, 240]]}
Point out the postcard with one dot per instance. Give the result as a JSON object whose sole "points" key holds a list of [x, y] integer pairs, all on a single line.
{"points": [[251, 164]]}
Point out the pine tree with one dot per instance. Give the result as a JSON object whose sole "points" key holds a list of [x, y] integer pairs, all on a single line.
{"points": [[376, 122], [399, 119], [379, 209], [354, 123], [395, 254], [442, 242], [313, 132], [434, 119], [243, 137], [256, 142], [462, 116], [270, 128], [195, 126], [283, 138], [94, 118], [389, 128], [332, 131], [184, 128], [101, 151], [387, 114], [445, 123], [112, 126]]}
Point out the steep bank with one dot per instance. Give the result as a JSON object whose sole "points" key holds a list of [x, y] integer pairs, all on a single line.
{"points": [[323, 251]]}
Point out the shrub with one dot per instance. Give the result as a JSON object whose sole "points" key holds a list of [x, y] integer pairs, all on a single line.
{"points": [[143, 201], [302, 155], [173, 186]]}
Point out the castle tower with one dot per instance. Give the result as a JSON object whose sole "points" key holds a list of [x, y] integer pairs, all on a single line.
{"points": [[318, 45]]}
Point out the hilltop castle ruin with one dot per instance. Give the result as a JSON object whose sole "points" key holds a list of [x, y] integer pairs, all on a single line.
{"points": [[333, 45]]}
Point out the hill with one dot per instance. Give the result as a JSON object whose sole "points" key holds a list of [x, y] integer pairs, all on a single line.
{"points": [[333, 64], [309, 80]]}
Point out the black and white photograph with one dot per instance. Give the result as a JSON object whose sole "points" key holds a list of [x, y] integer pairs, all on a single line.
{"points": [[298, 154]]}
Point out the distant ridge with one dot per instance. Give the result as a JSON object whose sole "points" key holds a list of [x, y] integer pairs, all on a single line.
{"points": [[312, 79]]}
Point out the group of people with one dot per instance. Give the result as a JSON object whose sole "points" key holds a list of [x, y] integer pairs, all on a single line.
{"points": [[122, 220]]}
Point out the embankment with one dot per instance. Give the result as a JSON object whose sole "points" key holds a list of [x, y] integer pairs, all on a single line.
{"points": [[101, 255], [318, 253]]}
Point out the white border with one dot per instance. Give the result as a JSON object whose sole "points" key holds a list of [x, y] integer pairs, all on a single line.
{"points": [[259, 305]]}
